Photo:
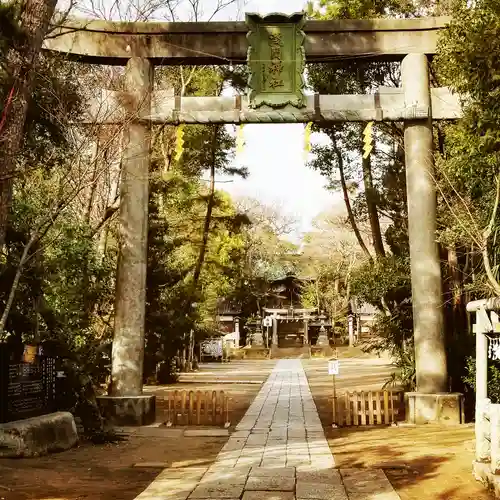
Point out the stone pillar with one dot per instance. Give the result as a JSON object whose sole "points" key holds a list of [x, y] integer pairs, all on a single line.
{"points": [[306, 331], [237, 332], [430, 354], [495, 438], [275, 331], [483, 404], [129, 328], [350, 328], [481, 362], [482, 430]]}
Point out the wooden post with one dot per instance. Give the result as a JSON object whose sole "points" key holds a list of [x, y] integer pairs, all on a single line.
{"points": [[214, 407], [363, 408], [379, 407], [183, 406], [169, 409], [176, 394], [386, 408], [334, 402], [370, 408], [206, 406], [198, 407], [228, 422], [355, 410], [348, 408], [392, 406], [191, 407], [221, 406]]}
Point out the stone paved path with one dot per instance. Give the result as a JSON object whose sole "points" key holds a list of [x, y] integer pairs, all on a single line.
{"points": [[278, 452]]}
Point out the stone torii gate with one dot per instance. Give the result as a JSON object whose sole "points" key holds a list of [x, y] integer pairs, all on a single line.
{"points": [[276, 48]]}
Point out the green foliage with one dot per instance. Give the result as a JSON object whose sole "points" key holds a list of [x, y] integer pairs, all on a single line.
{"points": [[493, 378], [468, 63], [387, 279], [10, 30]]}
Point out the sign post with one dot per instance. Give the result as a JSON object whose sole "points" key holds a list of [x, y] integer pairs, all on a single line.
{"points": [[267, 322], [333, 370]]}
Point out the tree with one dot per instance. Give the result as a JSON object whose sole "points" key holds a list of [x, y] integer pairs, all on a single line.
{"points": [[470, 179], [330, 254], [468, 167], [381, 195], [266, 255], [20, 65]]}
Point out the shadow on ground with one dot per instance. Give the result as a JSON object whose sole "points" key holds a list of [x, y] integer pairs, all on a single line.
{"points": [[106, 472], [426, 462]]}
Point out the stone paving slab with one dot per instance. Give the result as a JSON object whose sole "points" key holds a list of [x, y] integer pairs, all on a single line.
{"points": [[217, 490], [269, 472], [206, 432], [367, 484], [270, 483], [320, 491], [268, 495], [309, 474], [278, 452]]}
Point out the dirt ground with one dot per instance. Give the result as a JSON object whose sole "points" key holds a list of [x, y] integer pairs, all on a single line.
{"points": [[106, 472], [421, 462]]}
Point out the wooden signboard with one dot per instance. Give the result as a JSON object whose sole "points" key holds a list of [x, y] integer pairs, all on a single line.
{"points": [[276, 59]]}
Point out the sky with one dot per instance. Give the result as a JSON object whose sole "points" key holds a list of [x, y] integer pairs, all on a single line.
{"points": [[274, 156]]}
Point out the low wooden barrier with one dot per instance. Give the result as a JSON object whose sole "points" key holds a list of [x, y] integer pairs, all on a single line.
{"points": [[368, 408], [198, 408]]}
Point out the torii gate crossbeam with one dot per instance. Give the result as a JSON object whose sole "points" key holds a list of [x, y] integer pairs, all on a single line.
{"points": [[219, 43]]}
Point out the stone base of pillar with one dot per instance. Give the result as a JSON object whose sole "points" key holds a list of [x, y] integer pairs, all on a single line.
{"points": [[257, 352], [128, 410], [442, 408], [323, 340], [274, 340], [319, 351], [257, 339], [482, 472]]}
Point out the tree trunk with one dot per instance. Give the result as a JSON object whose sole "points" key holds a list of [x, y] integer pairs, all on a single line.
{"points": [[208, 215], [371, 205], [206, 234], [347, 202], [34, 23]]}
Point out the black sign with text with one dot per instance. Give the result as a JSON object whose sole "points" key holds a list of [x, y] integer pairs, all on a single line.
{"points": [[27, 388]]}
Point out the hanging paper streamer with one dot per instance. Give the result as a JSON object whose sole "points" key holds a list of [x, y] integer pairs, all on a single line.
{"points": [[240, 140], [179, 142], [368, 142], [307, 140]]}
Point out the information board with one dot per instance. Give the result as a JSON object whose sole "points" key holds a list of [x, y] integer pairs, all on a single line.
{"points": [[26, 389], [333, 367]]}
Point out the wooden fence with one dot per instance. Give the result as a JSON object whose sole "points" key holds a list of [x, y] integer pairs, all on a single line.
{"points": [[368, 408], [198, 408]]}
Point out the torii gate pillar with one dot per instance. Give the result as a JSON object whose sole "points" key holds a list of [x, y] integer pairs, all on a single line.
{"points": [[425, 405], [126, 404]]}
